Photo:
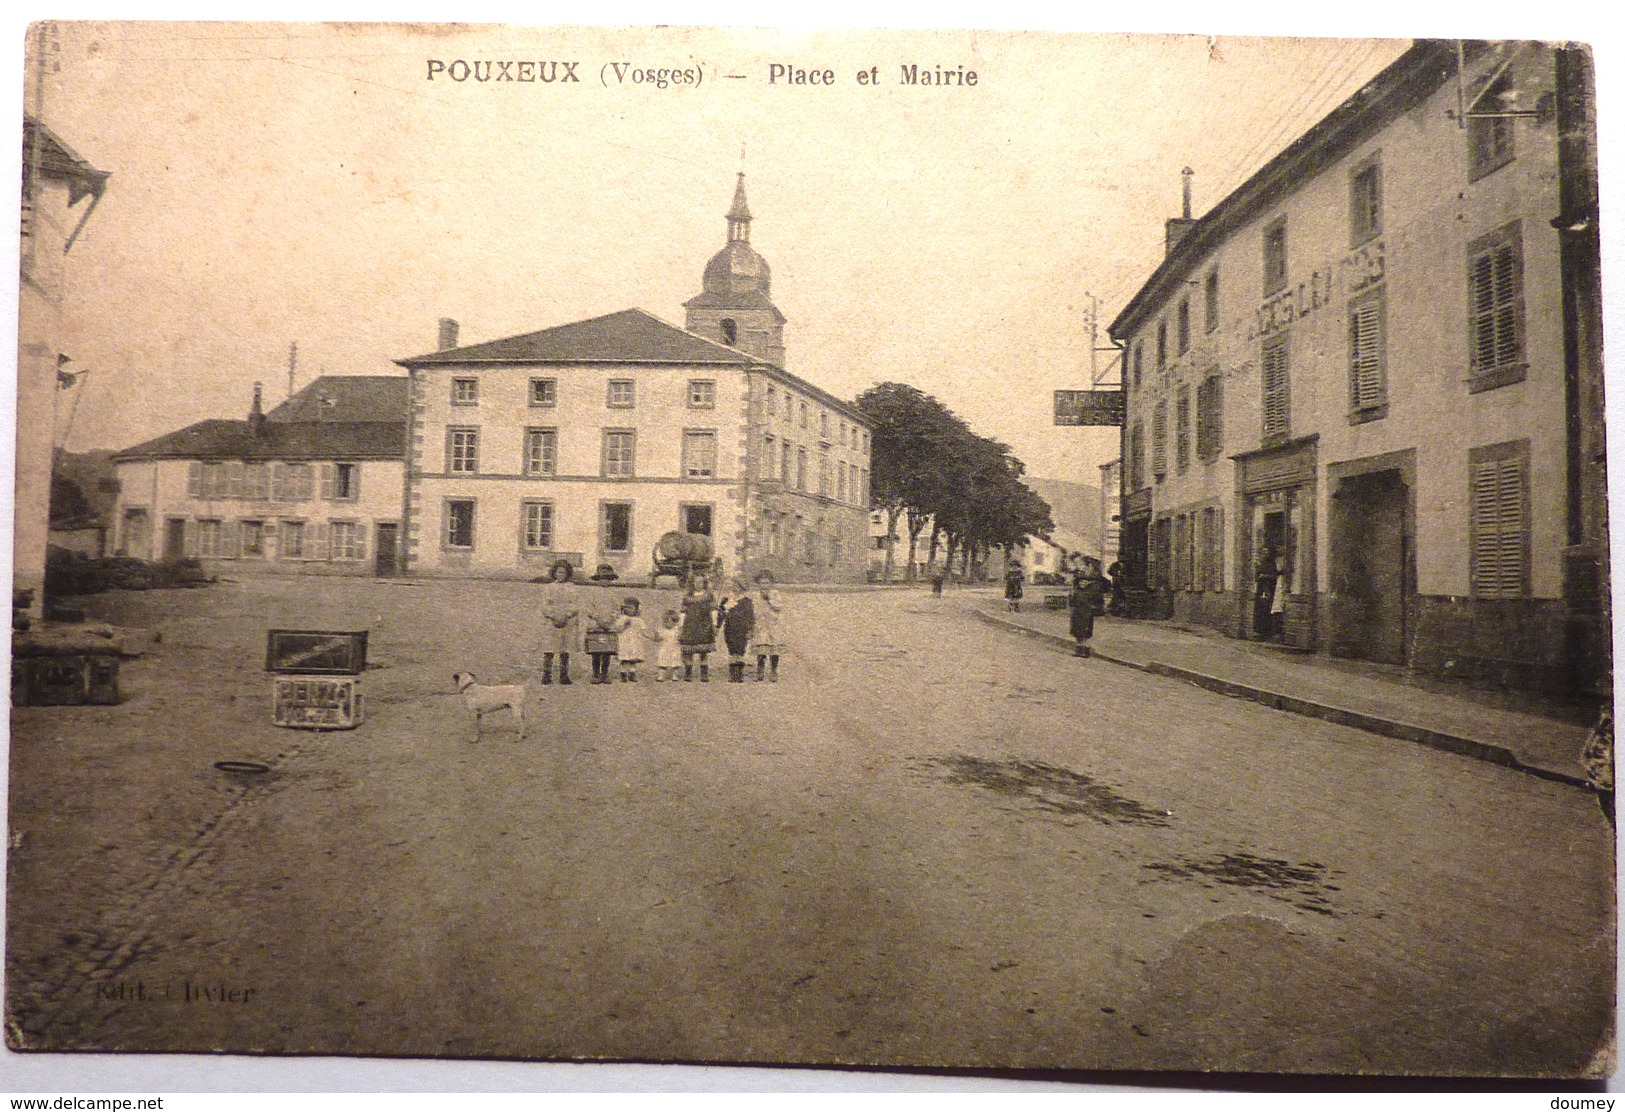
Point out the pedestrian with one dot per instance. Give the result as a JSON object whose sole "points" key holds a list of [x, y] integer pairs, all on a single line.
{"points": [[738, 624], [668, 652], [1114, 589], [561, 620], [600, 639], [698, 636], [1265, 578], [1598, 758], [1013, 577], [1086, 598], [768, 638], [1283, 584], [632, 638], [937, 577]]}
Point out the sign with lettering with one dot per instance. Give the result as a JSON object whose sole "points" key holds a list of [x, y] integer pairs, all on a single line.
{"points": [[1089, 407], [316, 652], [315, 703]]}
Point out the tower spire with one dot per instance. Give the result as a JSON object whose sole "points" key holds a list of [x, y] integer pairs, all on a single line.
{"points": [[739, 214]]}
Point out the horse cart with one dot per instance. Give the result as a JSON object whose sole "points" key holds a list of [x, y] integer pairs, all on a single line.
{"points": [[683, 556]]}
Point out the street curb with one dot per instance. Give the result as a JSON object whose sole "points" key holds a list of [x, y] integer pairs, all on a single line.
{"points": [[1307, 708]]}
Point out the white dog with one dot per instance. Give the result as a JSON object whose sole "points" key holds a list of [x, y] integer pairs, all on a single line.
{"points": [[483, 699]]}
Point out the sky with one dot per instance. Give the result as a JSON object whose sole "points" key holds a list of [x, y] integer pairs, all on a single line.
{"points": [[309, 184]]}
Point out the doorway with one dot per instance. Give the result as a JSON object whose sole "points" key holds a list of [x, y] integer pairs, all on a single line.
{"points": [[174, 538], [384, 563], [1370, 566]]}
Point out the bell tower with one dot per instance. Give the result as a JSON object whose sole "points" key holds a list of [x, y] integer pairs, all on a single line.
{"points": [[735, 306]]}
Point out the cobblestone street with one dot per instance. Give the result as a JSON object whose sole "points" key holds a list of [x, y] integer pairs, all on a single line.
{"points": [[932, 843]]}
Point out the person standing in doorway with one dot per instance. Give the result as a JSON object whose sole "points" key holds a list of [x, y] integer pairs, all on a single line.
{"points": [[1265, 578]]}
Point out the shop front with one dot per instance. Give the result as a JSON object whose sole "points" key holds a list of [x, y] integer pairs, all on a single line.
{"points": [[1275, 544]]}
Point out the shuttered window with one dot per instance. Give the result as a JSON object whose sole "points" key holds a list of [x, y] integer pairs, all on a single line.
{"points": [[1498, 500], [1210, 417], [1136, 457], [1495, 308], [1368, 356], [1182, 429], [1159, 440], [1276, 389], [1211, 300]]}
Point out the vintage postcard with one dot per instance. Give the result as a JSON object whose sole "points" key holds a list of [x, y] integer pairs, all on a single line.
{"points": [[947, 549]]}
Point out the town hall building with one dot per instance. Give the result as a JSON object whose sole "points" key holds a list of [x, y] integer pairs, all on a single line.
{"points": [[588, 441]]}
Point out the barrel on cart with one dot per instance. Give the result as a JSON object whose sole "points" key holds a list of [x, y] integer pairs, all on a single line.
{"points": [[683, 556]]}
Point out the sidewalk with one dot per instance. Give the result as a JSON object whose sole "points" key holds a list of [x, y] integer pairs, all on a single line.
{"points": [[1378, 698]]}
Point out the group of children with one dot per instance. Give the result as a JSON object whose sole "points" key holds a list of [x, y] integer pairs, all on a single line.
{"points": [[681, 641]]}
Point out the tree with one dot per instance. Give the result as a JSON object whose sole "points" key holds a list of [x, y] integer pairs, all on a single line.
{"points": [[912, 435]]}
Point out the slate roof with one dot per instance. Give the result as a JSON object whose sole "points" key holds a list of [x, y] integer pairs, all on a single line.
{"points": [[629, 336], [347, 398], [217, 439]]}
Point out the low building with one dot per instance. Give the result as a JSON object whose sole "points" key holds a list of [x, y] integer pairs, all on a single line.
{"points": [[589, 441], [313, 487], [1378, 360]]}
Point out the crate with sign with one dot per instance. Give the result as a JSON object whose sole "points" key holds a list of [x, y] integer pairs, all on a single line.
{"points": [[315, 683]]}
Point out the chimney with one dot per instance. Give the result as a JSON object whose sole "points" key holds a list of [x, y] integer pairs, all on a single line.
{"points": [[448, 334], [1174, 230], [256, 415]]}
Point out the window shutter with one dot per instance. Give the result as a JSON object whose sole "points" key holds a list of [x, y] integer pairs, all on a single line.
{"points": [[1498, 528], [231, 539], [1215, 563], [1276, 390], [355, 482], [320, 539], [189, 538], [1506, 298], [194, 479], [1366, 385], [327, 482]]}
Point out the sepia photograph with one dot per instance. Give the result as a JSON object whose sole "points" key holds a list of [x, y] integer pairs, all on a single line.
{"points": [[1096, 546]]}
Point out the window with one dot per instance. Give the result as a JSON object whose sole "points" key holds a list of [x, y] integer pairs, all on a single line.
{"points": [[1162, 345], [346, 482], [823, 472], [1136, 457], [1276, 389], [1499, 511], [772, 400], [621, 394], [465, 391], [843, 434], [1210, 551], [293, 482], [1368, 371], [211, 537], [1182, 429], [803, 414], [1210, 417], [863, 486], [620, 454], [1495, 309], [699, 453], [617, 527], [462, 451], [1275, 256], [459, 532], [789, 407], [536, 525], [212, 482], [544, 391], [784, 464], [292, 534], [257, 482], [541, 451], [730, 331], [1159, 440], [1365, 202], [801, 469], [1490, 137], [840, 483], [1210, 301], [702, 393], [769, 457], [696, 519], [1139, 363], [1184, 322], [823, 425], [347, 540], [253, 538]]}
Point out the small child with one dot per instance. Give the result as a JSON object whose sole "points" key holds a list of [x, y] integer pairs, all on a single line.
{"points": [[668, 653], [767, 637], [631, 637], [698, 635], [738, 621]]}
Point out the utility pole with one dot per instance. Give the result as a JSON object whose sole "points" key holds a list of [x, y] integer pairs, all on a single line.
{"points": [[293, 362]]}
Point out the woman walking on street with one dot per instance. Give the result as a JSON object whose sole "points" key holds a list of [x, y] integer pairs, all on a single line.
{"points": [[1086, 599]]}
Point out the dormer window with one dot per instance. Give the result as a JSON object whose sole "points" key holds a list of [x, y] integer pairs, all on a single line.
{"points": [[730, 331]]}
